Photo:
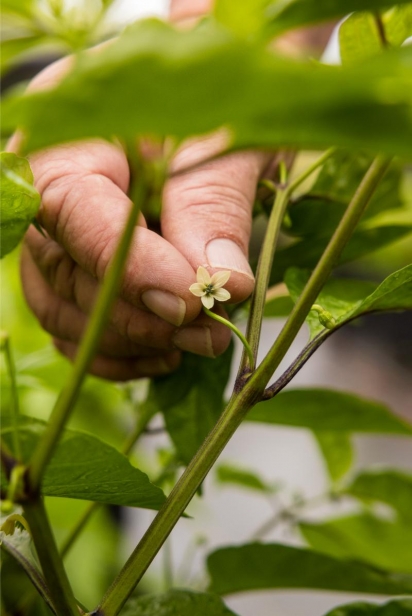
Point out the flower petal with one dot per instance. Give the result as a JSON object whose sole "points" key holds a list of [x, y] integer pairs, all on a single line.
{"points": [[197, 289], [219, 279], [208, 301], [221, 295], [203, 275]]}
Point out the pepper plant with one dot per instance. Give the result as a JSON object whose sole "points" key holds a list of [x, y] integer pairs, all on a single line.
{"points": [[224, 74]]}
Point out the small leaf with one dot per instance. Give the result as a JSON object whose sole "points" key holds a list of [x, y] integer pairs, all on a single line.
{"points": [[366, 538], [19, 200], [392, 487], [359, 38], [85, 467], [400, 607], [398, 24], [20, 546], [259, 566], [328, 410], [337, 451], [191, 400], [177, 602], [226, 473]]}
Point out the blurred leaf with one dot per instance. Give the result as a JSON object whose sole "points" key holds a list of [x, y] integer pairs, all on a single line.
{"points": [[318, 211], [398, 24], [86, 468], [20, 547], [226, 473], [278, 306], [400, 607], [347, 299], [177, 603], [257, 566], [177, 75], [359, 38], [383, 544], [337, 451], [295, 13], [328, 410], [11, 49], [245, 18], [19, 200], [23, 8], [392, 487], [191, 399], [307, 252]]}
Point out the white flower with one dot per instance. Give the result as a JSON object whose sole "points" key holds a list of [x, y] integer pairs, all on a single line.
{"points": [[209, 288]]}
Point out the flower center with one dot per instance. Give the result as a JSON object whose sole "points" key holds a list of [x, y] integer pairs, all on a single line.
{"points": [[208, 289]]}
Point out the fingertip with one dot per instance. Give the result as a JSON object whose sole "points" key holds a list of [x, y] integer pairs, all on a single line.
{"points": [[225, 254]]}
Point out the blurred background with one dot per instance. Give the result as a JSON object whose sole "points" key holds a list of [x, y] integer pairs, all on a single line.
{"points": [[372, 358]]}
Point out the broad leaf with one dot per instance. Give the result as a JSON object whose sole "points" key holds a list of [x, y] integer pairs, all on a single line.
{"points": [[383, 544], [177, 75], [398, 24], [392, 487], [191, 400], [85, 467], [296, 13], [19, 200], [347, 299], [229, 474], [177, 603], [337, 451], [257, 566], [359, 38], [307, 252], [401, 607], [324, 410]]}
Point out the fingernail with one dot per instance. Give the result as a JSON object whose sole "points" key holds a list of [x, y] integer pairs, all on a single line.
{"points": [[195, 339], [166, 305], [226, 254]]}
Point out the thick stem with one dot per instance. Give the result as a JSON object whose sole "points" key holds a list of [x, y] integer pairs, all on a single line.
{"points": [[322, 271], [88, 346], [283, 196], [51, 563], [237, 408], [92, 508], [11, 369]]}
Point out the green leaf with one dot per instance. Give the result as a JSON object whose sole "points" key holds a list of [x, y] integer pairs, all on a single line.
{"points": [[245, 18], [337, 451], [20, 546], [366, 538], [398, 24], [307, 252], [85, 467], [19, 200], [347, 299], [177, 603], [12, 49], [257, 566], [392, 487], [324, 410], [359, 38], [401, 607], [318, 211], [191, 400], [226, 473], [22, 8], [177, 75], [296, 13]]}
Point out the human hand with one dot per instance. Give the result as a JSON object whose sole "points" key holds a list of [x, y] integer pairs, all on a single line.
{"points": [[205, 221]]}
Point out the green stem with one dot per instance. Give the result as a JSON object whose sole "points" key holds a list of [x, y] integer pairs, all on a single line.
{"points": [[88, 346], [322, 271], [92, 508], [264, 267], [238, 406], [238, 333], [11, 369], [51, 563]]}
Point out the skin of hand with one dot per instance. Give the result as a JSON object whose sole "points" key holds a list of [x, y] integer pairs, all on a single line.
{"points": [[206, 220]]}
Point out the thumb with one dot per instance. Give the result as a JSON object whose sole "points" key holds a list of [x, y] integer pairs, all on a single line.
{"points": [[207, 212]]}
